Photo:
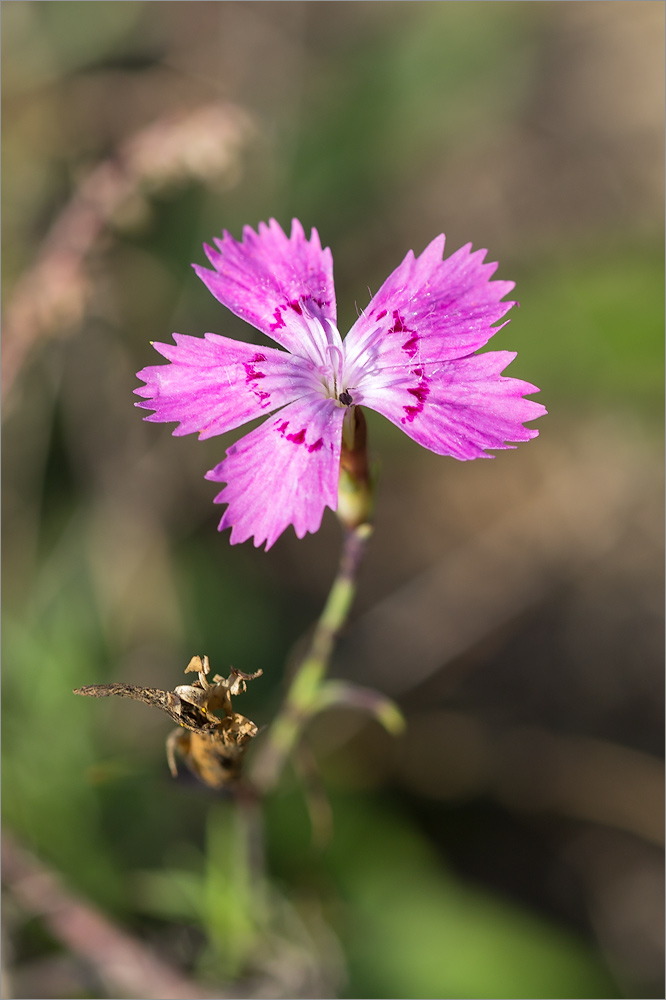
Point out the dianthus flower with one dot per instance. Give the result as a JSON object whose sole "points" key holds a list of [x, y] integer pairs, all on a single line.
{"points": [[409, 356]]}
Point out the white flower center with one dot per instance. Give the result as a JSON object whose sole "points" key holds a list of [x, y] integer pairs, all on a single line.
{"points": [[325, 350]]}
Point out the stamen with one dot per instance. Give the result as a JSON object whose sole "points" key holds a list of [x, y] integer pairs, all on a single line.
{"points": [[335, 355]]}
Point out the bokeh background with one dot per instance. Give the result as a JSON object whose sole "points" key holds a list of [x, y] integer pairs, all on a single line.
{"points": [[510, 844]]}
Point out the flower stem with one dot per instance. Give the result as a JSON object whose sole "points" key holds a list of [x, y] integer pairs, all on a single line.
{"points": [[302, 697]]}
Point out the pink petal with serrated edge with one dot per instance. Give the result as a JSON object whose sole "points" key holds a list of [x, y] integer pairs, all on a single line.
{"points": [[273, 281], [284, 472], [213, 385], [427, 311], [462, 407]]}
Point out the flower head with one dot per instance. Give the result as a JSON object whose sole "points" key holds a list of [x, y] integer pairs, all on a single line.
{"points": [[410, 356]]}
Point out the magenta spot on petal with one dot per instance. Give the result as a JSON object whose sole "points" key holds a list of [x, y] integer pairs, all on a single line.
{"points": [[418, 372], [298, 437], [251, 373], [381, 314], [282, 427], [316, 446], [279, 322], [398, 324], [411, 345], [306, 301], [252, 376], [421, 392]]}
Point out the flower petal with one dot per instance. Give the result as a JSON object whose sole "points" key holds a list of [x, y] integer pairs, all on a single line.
{"points": [[427, 311], [461, 407], [215, 384], [284, 472], [273, 281]]}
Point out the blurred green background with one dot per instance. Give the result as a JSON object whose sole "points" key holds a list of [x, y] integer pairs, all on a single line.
{"points": [[509, 845]]}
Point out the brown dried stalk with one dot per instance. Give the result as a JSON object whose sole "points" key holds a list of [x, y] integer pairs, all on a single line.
{"points": [[52, 296]]}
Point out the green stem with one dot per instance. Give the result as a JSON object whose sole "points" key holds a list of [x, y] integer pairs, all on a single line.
{"points": [[302, 696]]}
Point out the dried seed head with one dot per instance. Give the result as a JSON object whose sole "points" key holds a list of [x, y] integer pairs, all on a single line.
{"points": [[211, 746]]}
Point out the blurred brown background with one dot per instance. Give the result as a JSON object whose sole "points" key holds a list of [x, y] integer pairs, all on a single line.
{"points": [[514, 608]]}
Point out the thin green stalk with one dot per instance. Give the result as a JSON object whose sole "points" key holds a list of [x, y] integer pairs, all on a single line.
{"points": [[303, 693]]}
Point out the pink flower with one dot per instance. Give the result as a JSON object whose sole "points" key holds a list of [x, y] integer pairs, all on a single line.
{"points": [[410, 356]]}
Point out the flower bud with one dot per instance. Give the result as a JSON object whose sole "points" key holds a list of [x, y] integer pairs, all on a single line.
{"points": [[355, 494]]}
